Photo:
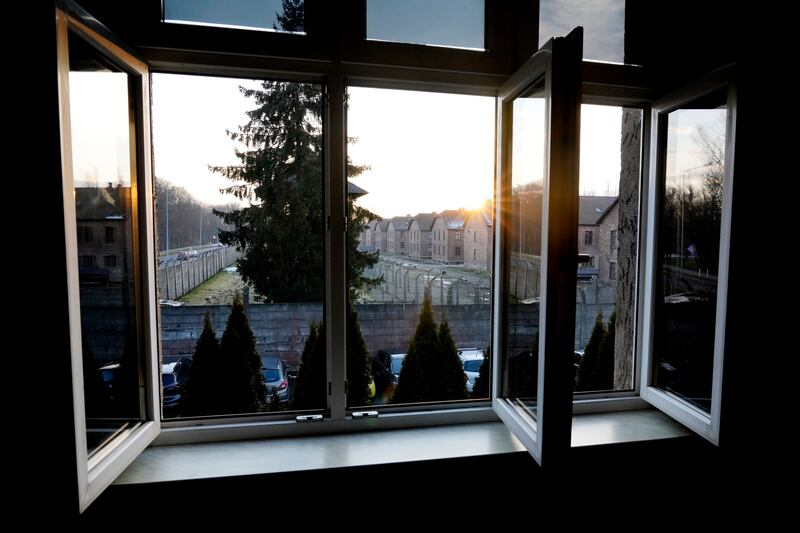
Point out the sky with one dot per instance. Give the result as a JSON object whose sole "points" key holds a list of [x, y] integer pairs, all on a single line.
{"points": [[426, 151]]}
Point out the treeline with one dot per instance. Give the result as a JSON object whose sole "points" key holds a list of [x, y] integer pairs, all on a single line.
{"points": [[189, 220]]}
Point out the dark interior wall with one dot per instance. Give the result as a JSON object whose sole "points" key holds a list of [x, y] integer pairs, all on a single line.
{"points": [[686, 474]]}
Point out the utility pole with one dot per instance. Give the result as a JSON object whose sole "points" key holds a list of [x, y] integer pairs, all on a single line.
{"points": [[167, 230]]}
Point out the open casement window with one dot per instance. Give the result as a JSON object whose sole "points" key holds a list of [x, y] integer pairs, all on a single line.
{"points": [[688, 216], [104, 102], [538, 119]]}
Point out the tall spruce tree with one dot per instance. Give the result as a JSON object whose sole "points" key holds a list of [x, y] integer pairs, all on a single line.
{"points": [[587, 371], [243, 390], [203, 387], [281, 228], [418, 365], [449, 381], [357, 362]]}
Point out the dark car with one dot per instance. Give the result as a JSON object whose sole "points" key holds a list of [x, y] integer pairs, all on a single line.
{"points": [[276, 379], [173, 381], [386, 373]]}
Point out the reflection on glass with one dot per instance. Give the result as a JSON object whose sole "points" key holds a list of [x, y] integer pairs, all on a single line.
{"points": [[451, 23], [688, 251], [608, 208], [241, 245], [420, 257], [603, 24], [279, 15], [101, 125], [523, 261]]}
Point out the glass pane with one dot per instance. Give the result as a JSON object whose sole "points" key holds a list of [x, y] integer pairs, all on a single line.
{"points": [[523, 252], [420, 200], [103, 170], [451, 23], [241, 244], [603, 24], [688, 250], [277, 15], [607, 247]]}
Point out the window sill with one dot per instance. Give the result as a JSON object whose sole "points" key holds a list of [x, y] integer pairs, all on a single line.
{"points": [[254, 457]]}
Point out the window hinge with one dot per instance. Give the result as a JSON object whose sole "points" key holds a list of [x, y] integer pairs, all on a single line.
{"points": [[365, 414]]}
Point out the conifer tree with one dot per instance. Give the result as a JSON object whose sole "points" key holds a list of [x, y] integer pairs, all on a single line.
{"points": [[587, 371], [310, 390], [417, 370], [448, 381], [357, 362], [243, 390], [201, 394]]}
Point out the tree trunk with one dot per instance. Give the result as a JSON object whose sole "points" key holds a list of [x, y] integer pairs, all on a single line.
{"points": [[627, 255]]}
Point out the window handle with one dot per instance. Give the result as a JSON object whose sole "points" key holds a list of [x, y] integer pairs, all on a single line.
{"points": [[365, 414]]}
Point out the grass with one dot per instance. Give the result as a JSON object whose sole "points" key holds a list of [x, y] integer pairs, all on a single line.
{"points": [[217, 290]]}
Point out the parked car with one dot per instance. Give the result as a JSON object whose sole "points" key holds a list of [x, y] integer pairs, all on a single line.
{"points": [[386, 373], [173, 381], [276, 379], [472, 359]]}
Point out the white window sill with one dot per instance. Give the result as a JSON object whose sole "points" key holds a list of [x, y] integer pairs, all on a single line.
{"points": [[253, 457]]}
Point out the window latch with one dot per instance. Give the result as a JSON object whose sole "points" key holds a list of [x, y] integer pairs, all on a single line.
{"points": [[365, 414], [308, 418]]}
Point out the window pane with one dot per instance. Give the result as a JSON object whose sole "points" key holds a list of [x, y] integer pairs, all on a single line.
{"points": [[241, 244], [420, 191], [523, 250], [603, 24], [607, 238], [278, 15], [688, 250], [452, 23], [103, 169]]}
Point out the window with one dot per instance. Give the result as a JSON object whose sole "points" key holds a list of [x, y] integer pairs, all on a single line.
{"points": [[242, 286], [112, 345], [474, 252], [689, 199], [85, 234], [474, 236], [88, 261], [613, 242], [418, 172], [248, 14], [610, 174], [110, 261], [451, 23], [109, 235]]}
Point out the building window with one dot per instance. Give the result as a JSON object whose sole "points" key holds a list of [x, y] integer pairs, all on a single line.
{"points": [[402, 244], [85, 234], [109, 234], [458, 251], [458, 236], [474, 236], [588, 237], [613, 243], [110, 261], [474, 254], [88, 261], [612, 272]]}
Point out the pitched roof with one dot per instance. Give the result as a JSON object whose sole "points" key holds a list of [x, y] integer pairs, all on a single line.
{"points": [[97, 203], [401, 223], [592, 209], [454, 218], [354, 190], [382, 225], [425, 220], [484, 213]]}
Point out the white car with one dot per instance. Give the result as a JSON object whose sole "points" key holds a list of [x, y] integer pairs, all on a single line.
{"points": [[472, 359]]}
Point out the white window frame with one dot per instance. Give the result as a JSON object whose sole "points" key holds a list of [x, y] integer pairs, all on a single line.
{"points": [[547, 434], [95, 473], [702, 423]]}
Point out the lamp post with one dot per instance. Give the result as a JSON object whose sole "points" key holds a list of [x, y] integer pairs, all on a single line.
{"points": [[441, 285], [416, 282]]}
